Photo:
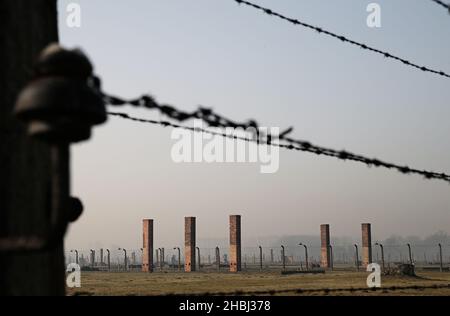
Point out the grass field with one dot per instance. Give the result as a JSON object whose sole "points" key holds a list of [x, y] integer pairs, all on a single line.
{"points": [[136, 283]]}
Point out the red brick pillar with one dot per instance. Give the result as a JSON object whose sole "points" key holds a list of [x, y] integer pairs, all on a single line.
{"points": [[325, 246], [189, 244], [147, 246], [235, 243], [366, 244]]}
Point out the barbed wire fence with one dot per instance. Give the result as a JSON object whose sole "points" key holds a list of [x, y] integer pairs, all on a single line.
{"points": [[442, 4], [268, 258], [215, 120], [258, 258], [269, 262], [342, 38]]}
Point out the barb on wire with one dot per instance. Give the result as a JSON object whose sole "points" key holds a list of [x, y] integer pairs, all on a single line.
{"points": [[192, 129], [443, 4], [343, 39], [205, 114], [283, 141]]}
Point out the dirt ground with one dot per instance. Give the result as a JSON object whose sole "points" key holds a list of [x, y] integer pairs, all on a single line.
{"points": [[137, 283]]}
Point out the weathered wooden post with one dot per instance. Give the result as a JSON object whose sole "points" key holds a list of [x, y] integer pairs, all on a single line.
{"points": [[331, 258], [76, 255], [58, 107], [260, 259], [283, 257], [410, 254], [125, 261], [218, 258], [25, 163], [108, 258], [179, 257], [162, 260], [382, 256], [92, 258], [306, 255], [356, 257], [198, 256], [157, 258]]}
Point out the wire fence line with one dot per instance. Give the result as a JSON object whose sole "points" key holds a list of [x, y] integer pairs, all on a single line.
{"points": [[266, 258], [208, 264], [343, 39], [298, 145], [213, 119], [170, 263], [442, 4]]}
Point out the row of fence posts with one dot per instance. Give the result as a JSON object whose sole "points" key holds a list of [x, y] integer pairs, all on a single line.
{"points": [[160, 257]]}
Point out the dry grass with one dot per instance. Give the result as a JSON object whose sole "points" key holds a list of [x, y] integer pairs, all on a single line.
{"points": [[135, 283]]}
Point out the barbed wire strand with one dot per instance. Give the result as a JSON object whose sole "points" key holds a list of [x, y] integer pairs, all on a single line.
{"points": [[318, 290], [443, 4], [343, 38], [292, 144]]}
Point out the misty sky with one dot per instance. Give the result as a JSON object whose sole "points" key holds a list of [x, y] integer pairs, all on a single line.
{"points": [[245, 65]]}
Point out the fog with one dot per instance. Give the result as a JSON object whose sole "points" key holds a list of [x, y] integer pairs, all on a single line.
{"points": [[247, 65]]}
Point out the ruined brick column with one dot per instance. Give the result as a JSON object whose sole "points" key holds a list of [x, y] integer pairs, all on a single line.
{"points": [[147, 245], [189, 244], [325, 246], [366, 244], [235, 243]]}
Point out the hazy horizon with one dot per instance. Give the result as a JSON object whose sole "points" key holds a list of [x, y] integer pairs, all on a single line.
{"points": [[246, 65], [291, 241]]}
